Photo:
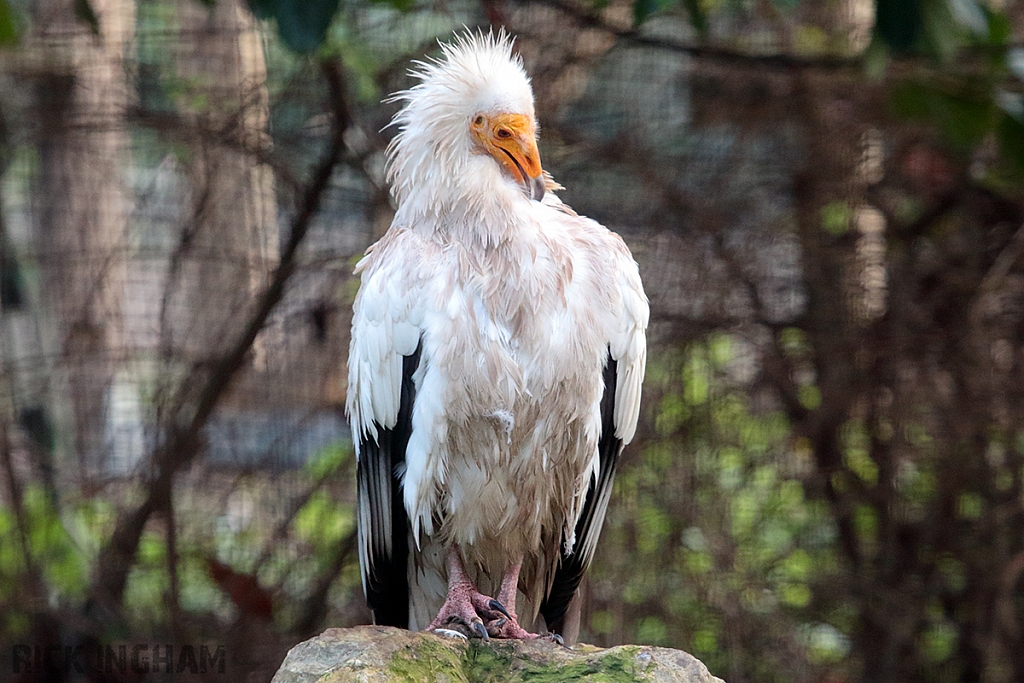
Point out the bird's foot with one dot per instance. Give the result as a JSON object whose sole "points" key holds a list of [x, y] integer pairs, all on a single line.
{"points": [[469, 612], [478, 616], [508, 627]]}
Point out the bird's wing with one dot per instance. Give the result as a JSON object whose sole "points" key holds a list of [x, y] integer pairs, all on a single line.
{"points": [[620, 408], [384, 354]]}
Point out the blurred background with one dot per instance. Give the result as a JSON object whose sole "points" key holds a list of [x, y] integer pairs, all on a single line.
{"points": [[826, 199]]}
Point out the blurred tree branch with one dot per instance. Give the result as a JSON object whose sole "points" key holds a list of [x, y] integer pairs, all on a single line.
{"points": [[593, 19], [314, 607], [182, 440], [975, 56]]}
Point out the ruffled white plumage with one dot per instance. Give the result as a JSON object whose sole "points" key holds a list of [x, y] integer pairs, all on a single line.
{"points": [[515, 305]]}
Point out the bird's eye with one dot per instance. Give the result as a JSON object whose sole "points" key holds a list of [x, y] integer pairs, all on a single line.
{"points": [[504, 133], [478, 121]]}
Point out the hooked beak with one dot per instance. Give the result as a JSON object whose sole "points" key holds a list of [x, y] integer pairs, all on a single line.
{"points": [[537, 188], [511, 140]]}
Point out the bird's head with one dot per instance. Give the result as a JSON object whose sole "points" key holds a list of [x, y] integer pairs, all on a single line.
{"points": [[511, 139], [468, 124]]}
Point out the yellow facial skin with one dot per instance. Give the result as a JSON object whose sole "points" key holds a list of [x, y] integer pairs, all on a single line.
{"points": [[512, 140]]}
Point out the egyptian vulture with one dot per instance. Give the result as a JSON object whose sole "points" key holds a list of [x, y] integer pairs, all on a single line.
{"points": [[498, 348]]}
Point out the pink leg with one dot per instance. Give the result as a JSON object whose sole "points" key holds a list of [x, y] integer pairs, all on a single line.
{"points": [[482, 615], [509, 628]]}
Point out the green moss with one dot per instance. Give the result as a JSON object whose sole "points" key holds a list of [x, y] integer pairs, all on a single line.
{"points": [[428, 660], [433, 661], [616, 667]]}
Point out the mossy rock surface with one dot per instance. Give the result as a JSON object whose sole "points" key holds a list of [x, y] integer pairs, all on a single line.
{"points": [[372, 654]]}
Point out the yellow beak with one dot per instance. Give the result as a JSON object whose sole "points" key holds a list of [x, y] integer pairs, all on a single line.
{"points": [[512, 140]]}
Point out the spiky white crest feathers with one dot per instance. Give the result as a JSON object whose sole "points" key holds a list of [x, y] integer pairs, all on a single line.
{"points": [[431, 158]]}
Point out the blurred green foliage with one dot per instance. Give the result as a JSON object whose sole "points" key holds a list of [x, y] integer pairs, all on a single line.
{"points": [[710, 534], [302, 25], [61, 550], [9, 32]]}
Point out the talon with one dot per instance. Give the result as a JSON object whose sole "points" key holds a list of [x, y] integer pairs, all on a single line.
{"points": [[478, 628], [479, 615], [495, 605]]}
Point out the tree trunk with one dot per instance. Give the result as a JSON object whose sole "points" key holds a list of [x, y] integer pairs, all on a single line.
{"points": [[82, 214], [230, 243]]}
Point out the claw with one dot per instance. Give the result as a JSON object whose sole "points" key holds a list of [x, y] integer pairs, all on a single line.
{"points": [[495, 605], [481, 616], [478, 628]]}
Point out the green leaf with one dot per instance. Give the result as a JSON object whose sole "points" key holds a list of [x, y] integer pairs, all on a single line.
{"points": [[1000, 30], [698, 18], [938, 640], [944, 34], [645, 8], [672, 414], [964, 117], [953, 572], [302, 24], [36, 423], [329, 459], [865, 521], [796, 595], [911, 100], [696, 380], [797, 566], [720, 350], [653, 527], [704, 640], [860, 463], [898, 23], [1010, 134], [8, 29], [400, 5], [876, 60], [262, 9], [969, 506], [603, 621], [836, 217], [12, 284], [809, 397], [642, 9], [651, 631]]}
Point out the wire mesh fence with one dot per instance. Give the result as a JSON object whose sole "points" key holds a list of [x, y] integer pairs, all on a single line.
{"points": [[827, 477]]}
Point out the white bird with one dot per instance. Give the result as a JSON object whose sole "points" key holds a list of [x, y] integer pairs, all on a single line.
{"points": [[497, 355]]}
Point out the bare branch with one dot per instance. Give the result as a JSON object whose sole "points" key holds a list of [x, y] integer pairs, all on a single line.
{"points": [[182, 441], [315, 606], [593, 19]]}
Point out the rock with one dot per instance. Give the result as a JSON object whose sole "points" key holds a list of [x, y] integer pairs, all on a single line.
{"points": [[369, 654]]}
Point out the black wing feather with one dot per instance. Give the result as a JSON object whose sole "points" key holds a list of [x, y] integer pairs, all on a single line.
{"points": [[572, 566], [379, 472]]}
